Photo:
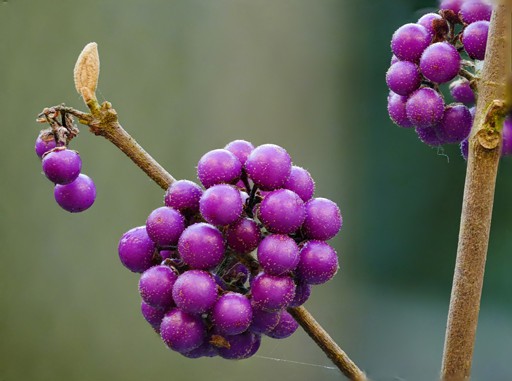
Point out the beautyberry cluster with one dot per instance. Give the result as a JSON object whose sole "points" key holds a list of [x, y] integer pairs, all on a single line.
{"points": [[437, 49], [221, 265], [74, 191]]}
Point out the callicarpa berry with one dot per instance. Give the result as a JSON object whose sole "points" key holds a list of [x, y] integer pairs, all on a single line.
{"points": [[182, 332], [152, 315], [204, 350], [403, 77], [184, 196], [474, 39], [62, 166], [243, 236], [506, 134], [240, 347], [201, 246], [221, 205], [440, 62], [302, 294], [397, 111], [44, 145], [195, 291], [268, 166], [461, 91], [165, 225], [278, 254], [218, 166], [285, 328], [282, 211], [155, 286], [464, 149], [409, 41], [76, 196], [428, 135], [455, 125], [241, 149], [452, 5], [264, 321], [318, 263], [427, 20], [232, 314], [272, 293], [425, 107], [136, 250], [300, 182], [323, 219], [471, 11]]}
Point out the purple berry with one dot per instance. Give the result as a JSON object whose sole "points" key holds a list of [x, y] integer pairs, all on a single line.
{"points": [[182, 332], [201, 246], [195, 291], [136, 250], [302, 294], [241, 149], [472, 11], [44, 143], [397, 111], [76, 196], [409, 41], [264, 321], [440, 62], [427, 20], [285, 328], [300, 182], [268, 166], [218, 166], [62, 166], [474, 39], [282, 211], [184, 196], [243, 236], [237, 274], [232, 314], [152, 315], [241, 346], [506, 134], [323, 219], [461, 92], [464, 149], [452, 5], [204, 350], [278, 254], [425, 107], [428, 135], [455, 125], [318, 262], [403, 77], [221, 204], [165, 225], [155, 286], [272, 293]]}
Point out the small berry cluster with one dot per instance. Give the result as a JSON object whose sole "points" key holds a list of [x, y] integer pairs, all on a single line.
{"points": [[74, 191], [431, 52], [202, 290]]}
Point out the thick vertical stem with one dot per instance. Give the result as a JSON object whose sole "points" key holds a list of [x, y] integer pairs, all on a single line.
{"points": [[483, 159]]}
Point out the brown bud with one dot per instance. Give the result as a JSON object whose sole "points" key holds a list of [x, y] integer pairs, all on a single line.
{"points": [[87, 71]]}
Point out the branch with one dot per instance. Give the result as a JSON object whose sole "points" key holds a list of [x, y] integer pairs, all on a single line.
{"points": [[483, 159]]}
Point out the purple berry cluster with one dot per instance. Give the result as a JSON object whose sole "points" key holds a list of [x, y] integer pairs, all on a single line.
{"points": [[221, 265], [437, 49], [74, 191]]}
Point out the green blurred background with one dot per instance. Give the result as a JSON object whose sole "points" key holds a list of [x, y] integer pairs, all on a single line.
{"points": [[187, 77]]}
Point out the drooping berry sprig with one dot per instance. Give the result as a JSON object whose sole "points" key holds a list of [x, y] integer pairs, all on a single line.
{"points": [[200, 287]]}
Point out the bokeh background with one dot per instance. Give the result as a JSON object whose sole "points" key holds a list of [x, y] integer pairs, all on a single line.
{"points": [[189, 76]]}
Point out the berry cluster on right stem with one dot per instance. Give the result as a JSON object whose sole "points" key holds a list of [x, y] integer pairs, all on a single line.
{"points": [[438, 49]]}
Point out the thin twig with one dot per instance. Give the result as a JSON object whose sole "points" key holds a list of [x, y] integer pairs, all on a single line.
{"points": [[483, 159]]}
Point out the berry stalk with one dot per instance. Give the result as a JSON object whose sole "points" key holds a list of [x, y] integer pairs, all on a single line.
{"points": [[103, 121], [483, 159]]}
